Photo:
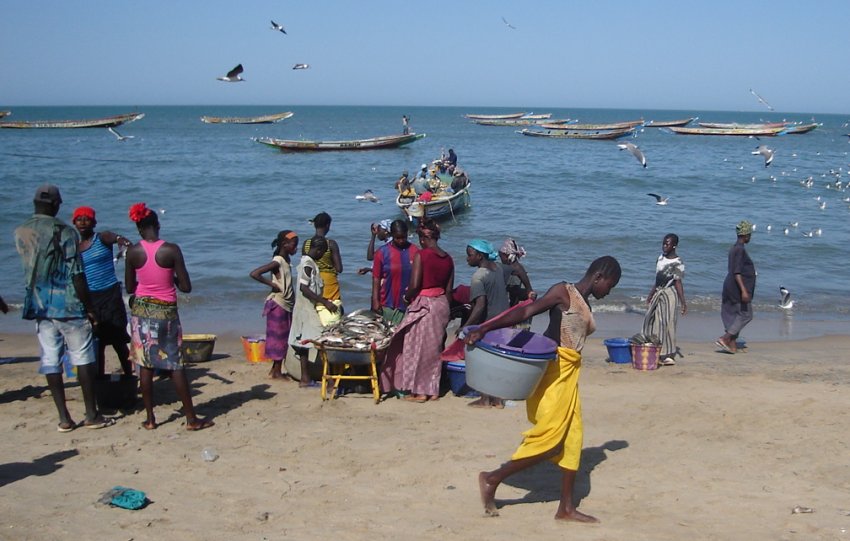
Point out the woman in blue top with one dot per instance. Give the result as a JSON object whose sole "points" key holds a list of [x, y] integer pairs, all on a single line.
{"points": [[104, 288]]}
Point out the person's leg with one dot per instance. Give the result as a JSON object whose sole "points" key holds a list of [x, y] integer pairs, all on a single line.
{"points": [[566, 509], [86, 374], [146, 376], [101, 358], [303, 355], [488, 482], [57, 390], [81, 352], [123, 353], [181, 385], [52, 347]]}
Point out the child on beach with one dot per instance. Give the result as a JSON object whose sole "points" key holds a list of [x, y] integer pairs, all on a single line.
{"points": [[280, 302]]}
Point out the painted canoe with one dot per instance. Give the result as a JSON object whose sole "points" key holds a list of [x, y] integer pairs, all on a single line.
{"points": [[668, 123], [801, 128], [737, 126], [745, 132], [593, 127], [4, 114], [495, 117], [387, 141], [264, 119], [524, 121], [603, 134], [438, 208], [107, 122], [539, 116]]}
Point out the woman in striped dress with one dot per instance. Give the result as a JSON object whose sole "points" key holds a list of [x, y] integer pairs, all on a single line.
{"points": [[666, 299]]}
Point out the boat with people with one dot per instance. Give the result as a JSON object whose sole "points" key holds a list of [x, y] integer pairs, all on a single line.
{"points": [[439, 192], [106, 122], [374, 143], [668, 123], [495, 117], [741, 132], [739, 126], [593, 127], [602, 134], [263, 119]]}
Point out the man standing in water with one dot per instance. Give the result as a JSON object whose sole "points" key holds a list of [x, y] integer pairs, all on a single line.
{"points": [[737, 308], [57, 298]]}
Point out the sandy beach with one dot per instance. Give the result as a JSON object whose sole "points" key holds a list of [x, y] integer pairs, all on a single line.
{"points": [[717, 447]]}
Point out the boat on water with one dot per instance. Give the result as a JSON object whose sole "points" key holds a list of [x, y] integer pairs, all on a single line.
{"points": [[800, 128], [442, 204], [264, 119], [593, 127], [558, 134], [523, 121], [538, 116], [495, 117], [745, 132], [387, 141], [106, 122], [4, 114], [737, 126], [669, 123]]}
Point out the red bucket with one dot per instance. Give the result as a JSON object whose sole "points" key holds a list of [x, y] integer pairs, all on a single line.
{"points": [[645, 356]]}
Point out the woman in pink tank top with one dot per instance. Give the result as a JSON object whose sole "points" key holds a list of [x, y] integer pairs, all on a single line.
{"points": [[153, 269]]}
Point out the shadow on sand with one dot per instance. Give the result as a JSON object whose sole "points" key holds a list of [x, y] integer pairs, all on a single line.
{"points": [[15, 471]]}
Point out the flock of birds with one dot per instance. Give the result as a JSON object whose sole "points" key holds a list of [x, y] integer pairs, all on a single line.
{"points": [[235, 75]]}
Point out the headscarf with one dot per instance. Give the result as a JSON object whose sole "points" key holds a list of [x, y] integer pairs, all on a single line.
{"points": [[485, 248], [385, 224], [88, 212], [510, 249], [139, 212], [744, 228]]}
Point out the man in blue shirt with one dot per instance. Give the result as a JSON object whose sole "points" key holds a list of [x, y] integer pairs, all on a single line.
{"points": [[57, 299]]}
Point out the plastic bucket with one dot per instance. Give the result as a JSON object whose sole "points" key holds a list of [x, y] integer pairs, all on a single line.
{"points": [[508, 363], [116, 392], [618, 350], [255, 349], [456, 375], [197, 348], [645, 356]]}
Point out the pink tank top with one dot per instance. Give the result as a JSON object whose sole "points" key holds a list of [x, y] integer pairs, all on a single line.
{"points": [[153, 280]]}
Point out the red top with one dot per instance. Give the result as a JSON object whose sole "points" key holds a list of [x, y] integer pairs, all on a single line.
{"points": [[153, 280], [436, 269]]}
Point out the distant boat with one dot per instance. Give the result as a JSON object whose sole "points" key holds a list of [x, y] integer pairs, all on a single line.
{"points": [[107, 122], [387, 141], [737, 126], [265, 119], [522, 121], [800, 128], [539, 116], [745, 132], [439, 207], [495, 117], [4, 114], [668, 123], [603, 134], [593, 127]]}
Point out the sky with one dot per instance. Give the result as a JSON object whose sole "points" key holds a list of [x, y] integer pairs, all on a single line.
{"points": [[681, 54]]}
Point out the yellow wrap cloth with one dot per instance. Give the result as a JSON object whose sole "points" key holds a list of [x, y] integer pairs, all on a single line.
{"points": [[555, 409], [331, 289]]}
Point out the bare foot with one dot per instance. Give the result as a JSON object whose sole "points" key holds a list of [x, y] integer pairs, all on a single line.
{"points": [[488, 495], [480, 403], [150, 425], [198, 424], [574, 515], [419, 398], [281, 376]]}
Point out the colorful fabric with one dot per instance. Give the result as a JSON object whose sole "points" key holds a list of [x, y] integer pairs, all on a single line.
{"points": [[98, 265], [484, 247], [48, 250], [512, 250], [111, 316], [282, 278], [305, 319], [392, 316], [278, 324], [331, 289], [667, 271], [394, 266], [436, 268], [555, 409], [155, 281], [490, 284], [156, 334], [661, 319], [413, 356]]}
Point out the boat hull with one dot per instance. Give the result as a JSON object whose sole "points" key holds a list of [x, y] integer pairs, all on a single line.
{"points": [[740, 132], [106, 122], [495, 117], [669, 123], [592, 127], [264, 119], [436, 209], [389, 141], [601, 135]]}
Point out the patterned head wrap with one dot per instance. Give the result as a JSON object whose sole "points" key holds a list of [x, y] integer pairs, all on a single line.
{"points": [[485, 248], [385, 224], [512, 250], [744, 228]]}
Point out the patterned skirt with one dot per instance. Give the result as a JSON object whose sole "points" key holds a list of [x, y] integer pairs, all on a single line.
{"points": [[156, 334]]}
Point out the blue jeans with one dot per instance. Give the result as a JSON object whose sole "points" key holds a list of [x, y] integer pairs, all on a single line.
{"points": [[56, 336]]}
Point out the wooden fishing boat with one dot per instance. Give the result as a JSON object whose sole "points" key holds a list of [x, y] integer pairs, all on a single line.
{"points": [[737, 126], [495, 117], [745, 132], [669, 123], [800, 128], [593, 127], [442, 205], [107, 122], [387, 141], [264, 119], [4, 114], [524, 121], [557, 134], [539, 116]]}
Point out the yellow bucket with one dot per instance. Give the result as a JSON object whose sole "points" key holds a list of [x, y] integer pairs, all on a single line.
{"points": [[255, 349]]}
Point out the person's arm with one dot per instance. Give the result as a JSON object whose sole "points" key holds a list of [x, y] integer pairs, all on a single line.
{"points": [[313, 297], [519, 272], [736, 266], [415, 285], [81, 286], [680, 291], [258, 274], [556, 295], [745, 294], [181, 274], [109, 238], [132, 263], [478, 311], [377, 272], [335, 256], [370, 250]]}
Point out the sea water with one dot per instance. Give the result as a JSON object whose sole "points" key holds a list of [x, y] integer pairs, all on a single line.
{"points": [[222, 197]]}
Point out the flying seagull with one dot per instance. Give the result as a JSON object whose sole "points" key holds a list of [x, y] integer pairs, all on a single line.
{"points": [[300, 66], [766, 152], [631, 147], [658, 199], [279, 27], [761, 100], [785, 301], [233, 76], [367, 196], [509, 25], [118, 135]]}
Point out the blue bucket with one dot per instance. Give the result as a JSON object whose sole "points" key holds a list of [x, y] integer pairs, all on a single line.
{"points": [[619, 350], [456, 373]]}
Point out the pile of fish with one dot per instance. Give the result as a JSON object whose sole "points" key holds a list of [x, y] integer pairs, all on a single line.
{"points": [[358, 330]]}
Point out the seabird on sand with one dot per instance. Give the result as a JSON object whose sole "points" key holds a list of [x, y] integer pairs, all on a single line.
{"points": [[278, 27], [367, 196], [761, 100], [509, 25], [766, 152], [118, 135], [300, 66], [658, 199], [631, 147], [233, 76], [785, 301]]}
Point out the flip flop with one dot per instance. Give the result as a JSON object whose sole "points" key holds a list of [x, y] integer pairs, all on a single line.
{"points": [[719, 343], [202, 424], [66, 428], [310, 385], [97, 425]]}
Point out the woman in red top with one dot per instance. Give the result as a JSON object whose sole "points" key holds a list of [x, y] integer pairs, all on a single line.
{"points": [[413, 358]]}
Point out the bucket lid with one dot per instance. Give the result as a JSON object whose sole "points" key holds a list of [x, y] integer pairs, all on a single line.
{"points": [[519, 342], [617, 342]]}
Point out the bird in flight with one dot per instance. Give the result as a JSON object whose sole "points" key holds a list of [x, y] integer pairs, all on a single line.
{"points": [[761, 100], [118, 135], [766, 152], [785, 301], [509, 25], [300, 66], [278, 27], [233, 76], [636, 152], [658, 199]]}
